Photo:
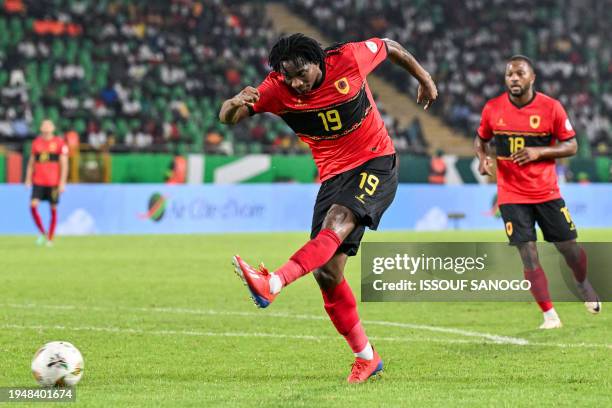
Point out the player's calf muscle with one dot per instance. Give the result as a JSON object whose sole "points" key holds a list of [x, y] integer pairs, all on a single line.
{"points": [[341, 220], [327, 278], [331, 274]]}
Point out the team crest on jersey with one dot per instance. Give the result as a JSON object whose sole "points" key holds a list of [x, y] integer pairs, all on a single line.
{"points": [[342, 86], [52, 146], [534, 121]]}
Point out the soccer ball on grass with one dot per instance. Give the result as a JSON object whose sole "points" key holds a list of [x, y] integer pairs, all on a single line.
{"points": [[59, 364]]}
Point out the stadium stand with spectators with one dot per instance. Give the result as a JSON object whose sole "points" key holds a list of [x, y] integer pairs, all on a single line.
{"points": [[149, 75], [465, 45], [134, 75]]}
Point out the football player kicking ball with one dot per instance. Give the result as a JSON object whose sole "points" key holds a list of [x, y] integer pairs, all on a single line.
{"points": [[324, 97], [531, 130], [46, 173]]}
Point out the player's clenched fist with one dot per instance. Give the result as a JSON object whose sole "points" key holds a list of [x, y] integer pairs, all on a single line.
{"points": [[427, 93], [247, 97]]}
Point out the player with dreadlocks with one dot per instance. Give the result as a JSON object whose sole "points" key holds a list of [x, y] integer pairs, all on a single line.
{"points": [[324, 97]]}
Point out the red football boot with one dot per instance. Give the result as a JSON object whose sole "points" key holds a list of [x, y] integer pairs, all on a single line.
{"points": [[257, 280], [364, 369]]}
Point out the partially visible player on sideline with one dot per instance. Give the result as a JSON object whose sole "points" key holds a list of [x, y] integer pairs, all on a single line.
{"points": [[531, 130], [46, 173], [324, 97]]}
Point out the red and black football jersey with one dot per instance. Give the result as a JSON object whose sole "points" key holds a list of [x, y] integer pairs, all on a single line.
{"points": [[541, 122], [338, 120], [46, 155]]}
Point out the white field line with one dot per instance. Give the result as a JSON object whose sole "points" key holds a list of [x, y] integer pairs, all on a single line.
{"points": [[121, 330], [490, 338], [466, 333]]}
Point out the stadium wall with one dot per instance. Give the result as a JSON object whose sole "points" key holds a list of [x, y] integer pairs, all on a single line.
{"points": [[265, 168], [140, 167], [161, 208]]}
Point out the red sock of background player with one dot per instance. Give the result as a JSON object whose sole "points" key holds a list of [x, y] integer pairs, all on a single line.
{"points": [[341, 307], [311, 256], [37, 220], [53, 223], [539, 287], [579, 269]]}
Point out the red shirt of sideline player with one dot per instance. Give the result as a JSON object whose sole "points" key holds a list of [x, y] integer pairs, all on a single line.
{"points": [[344, 87], [47, 152], [541, 122], [48, 164]]}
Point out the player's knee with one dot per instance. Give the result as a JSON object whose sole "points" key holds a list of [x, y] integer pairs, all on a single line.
{"points": [[341, 220], [322, 278], [529, 254], [569, 249]]}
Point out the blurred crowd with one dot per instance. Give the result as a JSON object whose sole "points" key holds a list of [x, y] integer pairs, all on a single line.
{"points": [[150, 75], [464, 44], [135, 75]]}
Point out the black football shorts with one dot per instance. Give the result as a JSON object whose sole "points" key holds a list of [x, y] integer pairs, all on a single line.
{"points": [[552, 217], [45, 193], [367, 190]]}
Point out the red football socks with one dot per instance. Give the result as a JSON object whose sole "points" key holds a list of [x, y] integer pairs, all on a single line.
{"points": [[314, 254], [579, 268], [53, 223], [539, 287], [341, 307], [37, 219]]}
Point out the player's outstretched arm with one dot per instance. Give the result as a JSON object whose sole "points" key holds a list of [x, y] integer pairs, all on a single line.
{"points": [[427, 92], [237, 108], [485, 162], [566, 148]]}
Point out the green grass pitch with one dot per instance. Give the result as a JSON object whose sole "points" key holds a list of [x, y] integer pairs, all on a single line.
{"points": [[163, 321]]}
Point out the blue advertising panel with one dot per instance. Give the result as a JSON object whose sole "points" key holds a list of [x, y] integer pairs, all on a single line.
{"points": [[159, 208]]}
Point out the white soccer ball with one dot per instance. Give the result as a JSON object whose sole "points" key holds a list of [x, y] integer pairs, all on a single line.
{"points": [[58, 363]]}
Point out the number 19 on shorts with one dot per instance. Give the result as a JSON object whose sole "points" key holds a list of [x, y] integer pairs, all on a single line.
{"points": [[368, 182]]}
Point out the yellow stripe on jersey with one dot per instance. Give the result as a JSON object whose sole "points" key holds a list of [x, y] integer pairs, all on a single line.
{"points": [[512, 133]]}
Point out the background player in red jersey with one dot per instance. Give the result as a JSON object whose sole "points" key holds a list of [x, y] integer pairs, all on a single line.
{"points": [[531, 130], [46, 173], [324, 97]]}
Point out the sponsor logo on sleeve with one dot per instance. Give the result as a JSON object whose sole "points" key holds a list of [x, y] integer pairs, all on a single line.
{"points": [[372, 46]]}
